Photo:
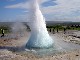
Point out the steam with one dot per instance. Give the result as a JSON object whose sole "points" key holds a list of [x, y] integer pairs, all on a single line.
{"points": [[18, 29]]}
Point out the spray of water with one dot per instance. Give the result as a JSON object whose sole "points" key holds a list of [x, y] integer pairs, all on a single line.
{"points": [[39, 35]]}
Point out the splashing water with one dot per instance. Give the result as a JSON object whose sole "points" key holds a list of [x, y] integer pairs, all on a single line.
{"points": [[39, 35]]}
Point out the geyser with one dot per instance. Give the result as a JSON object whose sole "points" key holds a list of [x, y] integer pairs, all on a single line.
{"points": [[39, 35]]}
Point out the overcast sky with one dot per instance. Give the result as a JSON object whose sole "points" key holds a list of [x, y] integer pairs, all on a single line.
{"points": [[53, 10]]}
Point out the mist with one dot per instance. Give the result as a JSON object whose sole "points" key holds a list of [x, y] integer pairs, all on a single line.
{"points": [[18, 29]]}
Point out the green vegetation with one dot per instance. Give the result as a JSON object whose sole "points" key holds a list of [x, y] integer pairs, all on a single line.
{"points": [[5, 28], [61, 27], [56, 27]]}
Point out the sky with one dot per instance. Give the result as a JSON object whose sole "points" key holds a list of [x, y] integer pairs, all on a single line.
{"points": [[52, 10]]}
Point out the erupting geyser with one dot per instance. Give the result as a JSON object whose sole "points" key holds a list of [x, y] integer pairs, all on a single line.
{"points": [[39, 35]]}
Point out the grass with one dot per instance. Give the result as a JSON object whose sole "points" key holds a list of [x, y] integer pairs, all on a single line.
{"points": [[61, 27], [55, 27], [5, 28]]}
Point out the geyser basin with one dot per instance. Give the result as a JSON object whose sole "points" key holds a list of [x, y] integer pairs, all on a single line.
{"points": [[39, 35]]}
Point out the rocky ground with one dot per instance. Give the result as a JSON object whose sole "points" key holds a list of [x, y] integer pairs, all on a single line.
{"points": [[9, 49], [72, 37]]}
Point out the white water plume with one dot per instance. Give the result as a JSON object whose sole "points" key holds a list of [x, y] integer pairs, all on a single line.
{"points": [[39, 35]]}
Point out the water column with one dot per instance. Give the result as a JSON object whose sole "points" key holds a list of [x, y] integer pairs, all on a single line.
{"points": [[39, 35]]}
